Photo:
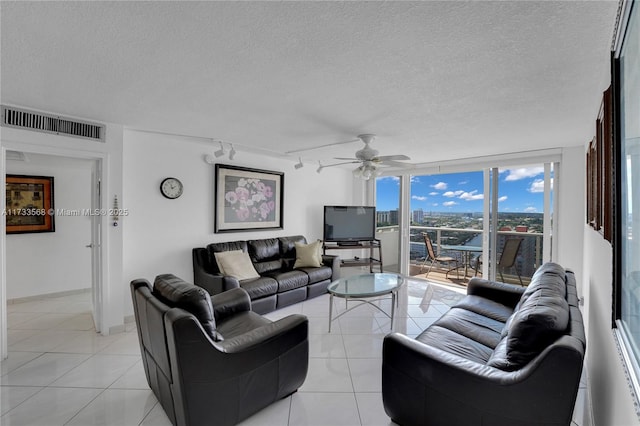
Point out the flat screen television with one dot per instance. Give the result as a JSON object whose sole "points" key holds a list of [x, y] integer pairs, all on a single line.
{"points": [[346, 224]]}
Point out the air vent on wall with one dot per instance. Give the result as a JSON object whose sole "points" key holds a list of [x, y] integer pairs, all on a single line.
{"points": [[16, 156], [24, 119]]}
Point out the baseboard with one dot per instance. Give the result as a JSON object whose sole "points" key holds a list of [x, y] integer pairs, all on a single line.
{"points": [[48, 296], [129, 319]]}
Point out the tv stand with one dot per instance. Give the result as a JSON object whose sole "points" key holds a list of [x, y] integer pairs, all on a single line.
{"points": [[370, 245], [349, 243]]}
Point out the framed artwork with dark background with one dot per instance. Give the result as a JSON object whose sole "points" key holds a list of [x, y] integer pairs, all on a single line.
{"points": [[29, 204]]}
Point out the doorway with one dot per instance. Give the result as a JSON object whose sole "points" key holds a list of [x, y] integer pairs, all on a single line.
{"points": [[69, 259]]}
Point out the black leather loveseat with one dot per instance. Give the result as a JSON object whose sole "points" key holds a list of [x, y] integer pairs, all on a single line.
{"points": [[504, 355], [279, 284], [211, 360]]}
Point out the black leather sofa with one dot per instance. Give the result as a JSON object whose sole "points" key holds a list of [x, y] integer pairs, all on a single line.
{"points": [[211, 360], [279, 283], [504, 355]]}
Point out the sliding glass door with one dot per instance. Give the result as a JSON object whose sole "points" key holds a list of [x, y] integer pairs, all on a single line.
{"points": [[495, 222]]}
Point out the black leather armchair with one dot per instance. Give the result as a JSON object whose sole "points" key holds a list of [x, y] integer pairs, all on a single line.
{"points": [[211, 360]]}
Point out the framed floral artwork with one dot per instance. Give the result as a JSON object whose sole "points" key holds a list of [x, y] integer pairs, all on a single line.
{"points": [[29, 206], [247, 199]]}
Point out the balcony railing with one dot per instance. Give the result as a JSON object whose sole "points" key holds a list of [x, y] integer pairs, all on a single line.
{"points": [[529, 256]]}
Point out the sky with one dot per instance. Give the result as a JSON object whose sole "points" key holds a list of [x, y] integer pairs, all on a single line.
{"points": [[521, 190]]}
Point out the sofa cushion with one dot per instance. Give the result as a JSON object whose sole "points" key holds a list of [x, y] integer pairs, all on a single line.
{"points": [[542, 319], [485, 307], [455, 343], [308, 255], [260, 287], [317, 275], [476, 327], [290, 280], [241, 323], [176, 293], [265, 254], [287, 246], [550, 276]]}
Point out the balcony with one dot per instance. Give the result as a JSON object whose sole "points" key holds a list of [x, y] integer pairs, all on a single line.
{"points": [[528, 259]]}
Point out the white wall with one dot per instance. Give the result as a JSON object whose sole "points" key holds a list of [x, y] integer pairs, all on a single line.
{"points": [[571, 212], [610, 393], [160, 233], [57, 261]]}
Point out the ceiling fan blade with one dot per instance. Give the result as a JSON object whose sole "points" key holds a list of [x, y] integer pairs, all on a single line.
{"points": [[392, 158], [320, 146], [346, 158], [339, 164], [392, 163]]}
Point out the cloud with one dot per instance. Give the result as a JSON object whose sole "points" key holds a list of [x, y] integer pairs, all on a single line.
{"points": [[451, 194], [435, 204], [393, 178], [503, 198], [530, 210], [471, 196], [414, 179], [418, 197], [449, 203], [464, 182], [538, 185], [433, 194], [440, 186], [523, 173]]}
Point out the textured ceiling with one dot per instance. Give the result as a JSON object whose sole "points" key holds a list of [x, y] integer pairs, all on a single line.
{"points": [[434, 80]]}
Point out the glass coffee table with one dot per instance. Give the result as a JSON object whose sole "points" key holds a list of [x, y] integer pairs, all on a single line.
{"points": [[362, 288]]}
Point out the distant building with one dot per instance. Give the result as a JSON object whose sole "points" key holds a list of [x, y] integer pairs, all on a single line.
{"points": [[383, 217], [393, 217], [522, 228], [417, 216]]}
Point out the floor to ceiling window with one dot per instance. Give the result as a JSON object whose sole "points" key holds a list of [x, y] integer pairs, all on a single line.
{"points": [[627, 109], [455, 211]]}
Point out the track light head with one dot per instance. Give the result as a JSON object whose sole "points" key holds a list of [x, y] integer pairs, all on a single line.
{"points": [[232, 153], [299, 164], [220, 152]]}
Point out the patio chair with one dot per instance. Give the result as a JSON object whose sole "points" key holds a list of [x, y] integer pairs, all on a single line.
{"points": [[440, 258], [508, 257]]}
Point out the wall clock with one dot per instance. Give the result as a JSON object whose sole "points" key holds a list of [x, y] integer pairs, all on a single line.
{"points": [[171, 188]]}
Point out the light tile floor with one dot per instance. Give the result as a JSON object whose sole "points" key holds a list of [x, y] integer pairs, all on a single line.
{"points": [[60, 372]]}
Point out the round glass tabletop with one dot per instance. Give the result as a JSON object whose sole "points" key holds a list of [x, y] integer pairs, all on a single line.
{"points": [[367, 285]]}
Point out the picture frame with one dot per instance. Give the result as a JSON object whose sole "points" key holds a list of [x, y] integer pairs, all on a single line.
{"points": [[29, 204], [248, 199]]}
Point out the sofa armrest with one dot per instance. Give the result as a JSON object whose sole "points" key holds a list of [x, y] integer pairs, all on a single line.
{"points": [[230, 302], [199, 358], [506, 294], [282, 330], [334, 263]]}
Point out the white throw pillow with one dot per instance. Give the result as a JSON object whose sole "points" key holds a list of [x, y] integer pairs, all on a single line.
{"points": [[236, 264], [308, 255]]}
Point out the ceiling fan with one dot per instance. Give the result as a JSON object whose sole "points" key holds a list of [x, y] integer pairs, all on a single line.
{"points": [[369, 160]]}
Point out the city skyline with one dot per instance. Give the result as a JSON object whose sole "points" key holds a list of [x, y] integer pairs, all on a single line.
{"points": [[521, 190]]}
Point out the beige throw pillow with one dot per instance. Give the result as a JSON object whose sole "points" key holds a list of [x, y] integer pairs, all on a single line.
{"points": [[308, 255], [236, 264], [223, 255]]}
